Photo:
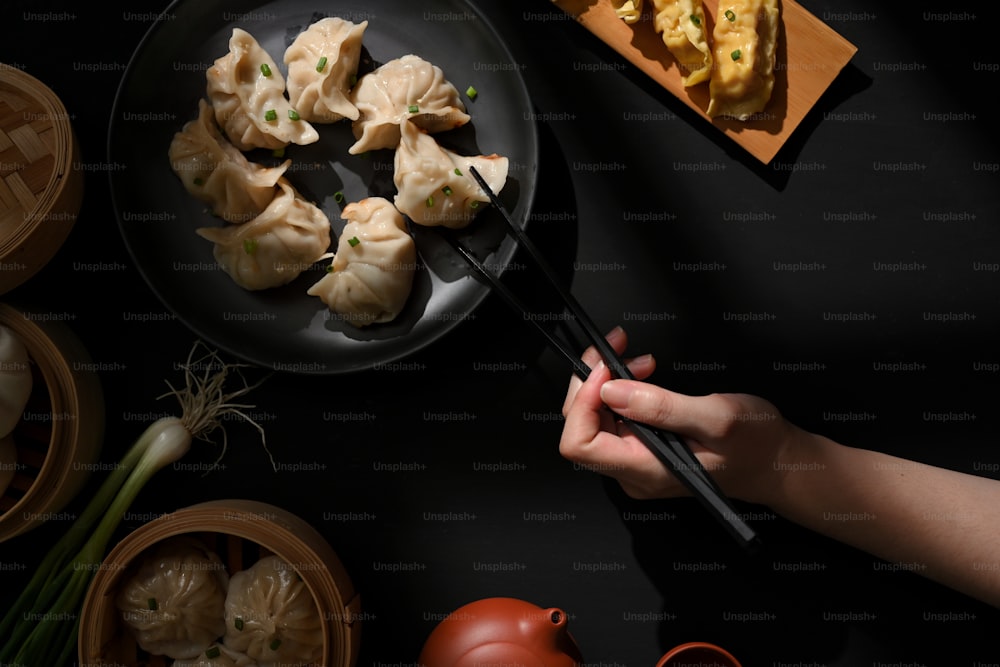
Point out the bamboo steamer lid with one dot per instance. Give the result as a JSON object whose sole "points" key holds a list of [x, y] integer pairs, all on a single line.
{"points": [[239, 531], [59, 437], [40, 187]]}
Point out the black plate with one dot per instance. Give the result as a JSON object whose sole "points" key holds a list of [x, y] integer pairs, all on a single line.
{"points": [[284, 328]]}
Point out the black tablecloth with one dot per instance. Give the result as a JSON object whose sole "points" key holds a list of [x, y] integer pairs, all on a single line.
{"points": [[853, 281]]}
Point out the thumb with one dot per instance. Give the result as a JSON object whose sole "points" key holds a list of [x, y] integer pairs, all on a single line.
{"points": [[653, 405]]}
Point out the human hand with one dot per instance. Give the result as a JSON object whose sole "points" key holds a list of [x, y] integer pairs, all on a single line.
{"points": [[742, 440]]}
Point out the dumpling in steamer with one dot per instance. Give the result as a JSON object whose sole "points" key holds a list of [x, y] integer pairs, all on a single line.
{"points": [[434, 185], [217, 173], [216, 656], [321, 62], [371, 275], [271, 615], [407, 88], [247, 91], [274, 248], [174, 604]]}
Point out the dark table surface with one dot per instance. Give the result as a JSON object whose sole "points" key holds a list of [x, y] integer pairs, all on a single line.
{"points": [[866, 254]]}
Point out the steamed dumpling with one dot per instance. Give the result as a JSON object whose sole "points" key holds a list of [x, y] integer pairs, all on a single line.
{"points": [[216, 656], [174, 604], [217, 173], [247, 92], [271, 615], [322, 62], [407, 88], [371, 275], [274, 248], [434, 185]]}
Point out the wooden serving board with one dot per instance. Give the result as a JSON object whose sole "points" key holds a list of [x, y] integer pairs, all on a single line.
{"points": [[810, 56]]}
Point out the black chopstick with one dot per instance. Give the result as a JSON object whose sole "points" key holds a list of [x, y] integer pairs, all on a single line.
{"points": [[667, 447], [593, 334]]}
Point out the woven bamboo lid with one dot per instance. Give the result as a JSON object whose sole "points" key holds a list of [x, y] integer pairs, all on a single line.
{"points": [[40, 189]]}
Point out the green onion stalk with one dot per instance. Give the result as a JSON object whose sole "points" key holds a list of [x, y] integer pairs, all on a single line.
{"points": [[43, 623]]}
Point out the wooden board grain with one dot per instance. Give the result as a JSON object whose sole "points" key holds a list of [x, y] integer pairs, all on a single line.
{"points": [[810, 56]]}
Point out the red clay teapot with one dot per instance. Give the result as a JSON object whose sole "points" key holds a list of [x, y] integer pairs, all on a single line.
{"points": [[501, 631]]}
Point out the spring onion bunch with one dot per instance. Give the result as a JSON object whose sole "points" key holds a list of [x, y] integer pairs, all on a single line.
{"points": [[41, 626]]}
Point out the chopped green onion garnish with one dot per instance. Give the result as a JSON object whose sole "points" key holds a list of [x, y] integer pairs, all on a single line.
{"points": [[471, 93], [213, 653], [265, 69], [430, 201], [695, 19], [151, 603], [458, 172], [198, 180], [735, 55], [275, 643], [278, 152], [270, 114], [321, 65], [338, 197], [293, 114], [238, 623], [730, 15], [250, 246], [446, 190], [474, 204], [354, 241], [353, 80], [413, 108]]}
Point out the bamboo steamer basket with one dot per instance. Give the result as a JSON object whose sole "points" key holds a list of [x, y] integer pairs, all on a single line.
{"points": [[40, 187], [240, 532], [58, 439]]}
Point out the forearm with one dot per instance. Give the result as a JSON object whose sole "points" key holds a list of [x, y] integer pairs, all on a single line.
{"points": [[945, 523]]}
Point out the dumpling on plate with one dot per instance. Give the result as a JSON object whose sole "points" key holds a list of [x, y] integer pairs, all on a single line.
{"points": [[174, 603], [271, 615], [434, 186], [217, 173], [322, 62], [274, 248], [247, 91], [407, 88], [370, 278]]}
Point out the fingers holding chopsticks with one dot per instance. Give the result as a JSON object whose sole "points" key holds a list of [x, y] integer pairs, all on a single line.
{"points": [[642, 367]]}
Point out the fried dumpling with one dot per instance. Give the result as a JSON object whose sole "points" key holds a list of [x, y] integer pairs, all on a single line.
{"points": [[407, 88], [434, 186], [682, 25], [371, 275], [745, 43], [247, 91], [217, 173], [274, 248], [271, 615], [322, 62], [174, 603]]}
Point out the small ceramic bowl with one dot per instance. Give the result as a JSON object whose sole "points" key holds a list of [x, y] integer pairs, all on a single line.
{"points": [[698, 654], [59, 437], [41, 184], [239, 532]]}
